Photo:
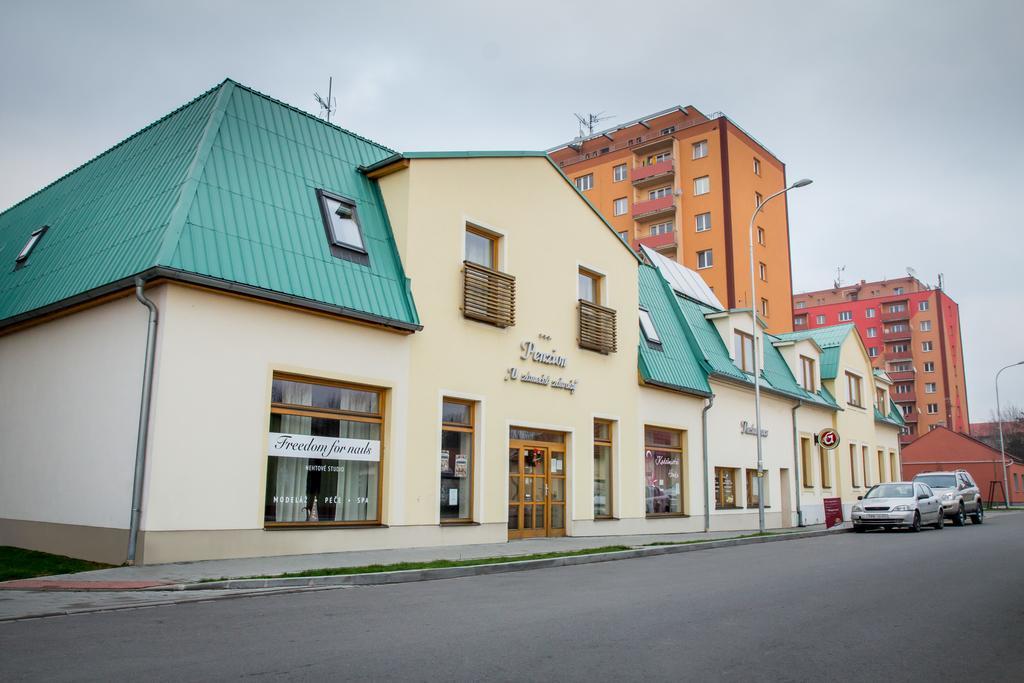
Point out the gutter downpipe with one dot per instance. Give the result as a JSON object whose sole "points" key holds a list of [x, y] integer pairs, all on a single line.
{"points": [[143, 433], [704, 446], [796, 466]]}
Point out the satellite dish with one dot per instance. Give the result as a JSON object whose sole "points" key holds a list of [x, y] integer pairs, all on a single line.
{"points": [[911, 272]]}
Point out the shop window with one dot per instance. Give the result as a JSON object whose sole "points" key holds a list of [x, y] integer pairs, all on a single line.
{"points": [[854, 481], [726, 481], [824, 469], [752, 492], [806, 463], [663, 469], [324, 453], [457, 432], [602, 469]]}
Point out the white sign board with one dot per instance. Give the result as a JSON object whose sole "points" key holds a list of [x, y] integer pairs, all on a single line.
{"points": [[323, 447]]}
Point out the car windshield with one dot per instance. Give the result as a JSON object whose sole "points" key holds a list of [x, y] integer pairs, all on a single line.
{"points": [[938, 481], [891, 491]]}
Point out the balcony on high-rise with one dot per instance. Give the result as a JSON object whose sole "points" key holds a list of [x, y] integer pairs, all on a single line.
{"points": [[652, 208], [661, 171], [665, 240]]}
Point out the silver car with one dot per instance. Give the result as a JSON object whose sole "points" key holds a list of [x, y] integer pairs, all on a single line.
{"points": [[899, 504], [958, 493]]}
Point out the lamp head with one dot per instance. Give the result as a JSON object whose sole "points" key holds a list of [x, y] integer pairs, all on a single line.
{"points": [[804, 182]]}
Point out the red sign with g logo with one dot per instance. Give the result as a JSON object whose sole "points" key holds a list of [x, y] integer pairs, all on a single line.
{"points": [[828, 438]]}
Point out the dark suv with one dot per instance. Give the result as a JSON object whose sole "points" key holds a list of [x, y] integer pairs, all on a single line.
{"points": [[959, 494]]}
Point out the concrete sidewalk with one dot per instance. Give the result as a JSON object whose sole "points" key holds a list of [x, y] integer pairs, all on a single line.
{"points": [[172, 574]]}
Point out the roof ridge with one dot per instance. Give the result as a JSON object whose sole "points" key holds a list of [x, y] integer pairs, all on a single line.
{"points": [[190, 184], [116, 146], [247, 88]]}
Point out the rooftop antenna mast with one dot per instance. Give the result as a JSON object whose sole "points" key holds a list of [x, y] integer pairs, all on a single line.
{"points": [[329, 105], [839, 276], [589, 122]]}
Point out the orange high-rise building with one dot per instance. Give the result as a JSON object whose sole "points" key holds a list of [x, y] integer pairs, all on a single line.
{"points": [[686, 185]]}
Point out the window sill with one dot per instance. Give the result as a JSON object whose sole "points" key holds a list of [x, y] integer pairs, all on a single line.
{"points": [[666, 515], [606, 519], [284, 526], [459, 522]]}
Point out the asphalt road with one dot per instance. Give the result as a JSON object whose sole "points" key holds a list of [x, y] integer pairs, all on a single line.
{"points": [[887, 606]]}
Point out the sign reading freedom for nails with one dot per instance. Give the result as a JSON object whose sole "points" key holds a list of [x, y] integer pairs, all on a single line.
{"points": [[323, 447]]}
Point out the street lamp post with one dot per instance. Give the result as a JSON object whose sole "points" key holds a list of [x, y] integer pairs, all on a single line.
{"points": [[757, 370], [1002, 449]]}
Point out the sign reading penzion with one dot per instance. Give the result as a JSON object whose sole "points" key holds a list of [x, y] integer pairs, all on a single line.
{"points": [[323, 447]]}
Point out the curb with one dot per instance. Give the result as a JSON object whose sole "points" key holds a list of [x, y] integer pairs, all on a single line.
{"points": [[413, 575]]}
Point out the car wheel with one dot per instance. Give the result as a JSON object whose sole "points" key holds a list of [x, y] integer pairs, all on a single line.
{"points": [[979, 514], [916, 526], [961, 516], [940, 521]]}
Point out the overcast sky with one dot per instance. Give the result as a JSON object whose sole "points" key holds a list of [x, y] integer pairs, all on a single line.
{"points": [[907, 115]]}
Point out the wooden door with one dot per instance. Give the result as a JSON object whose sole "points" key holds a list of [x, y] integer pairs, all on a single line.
{"points": [[536, 490]]}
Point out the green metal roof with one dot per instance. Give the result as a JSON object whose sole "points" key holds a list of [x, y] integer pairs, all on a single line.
{"points": [[707, 355], [895, 417], [221, 189], [674, 364], [830, 339]]}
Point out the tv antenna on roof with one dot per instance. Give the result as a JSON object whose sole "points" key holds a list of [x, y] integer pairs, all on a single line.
{"points": [[588, 122], [839, 276], [328, 105], [911, 272]]}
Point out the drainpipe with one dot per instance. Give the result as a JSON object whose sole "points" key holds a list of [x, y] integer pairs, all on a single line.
{"points": [[796, 465], [704, 445], [143, 433]]}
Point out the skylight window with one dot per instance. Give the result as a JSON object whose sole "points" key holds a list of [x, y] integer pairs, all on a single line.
{"points": [[33, 239], [341, 221], [647, 327]]}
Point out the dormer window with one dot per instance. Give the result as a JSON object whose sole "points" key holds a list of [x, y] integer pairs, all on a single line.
{"points": [[807, 373], [341, 221], [880, 400], [33, 240], [647, 327], [744, 349]]}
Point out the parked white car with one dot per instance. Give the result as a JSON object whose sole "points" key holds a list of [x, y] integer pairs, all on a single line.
{"points": [[899, 504]]}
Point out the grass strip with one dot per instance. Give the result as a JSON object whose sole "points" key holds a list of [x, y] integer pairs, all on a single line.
{"points": [[18, 563], [433, 564]]}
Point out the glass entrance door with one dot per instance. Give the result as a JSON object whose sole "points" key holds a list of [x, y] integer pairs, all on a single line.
{"points": [[536, 490]]}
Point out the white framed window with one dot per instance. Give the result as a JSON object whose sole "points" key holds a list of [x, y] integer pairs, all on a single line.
{"points": [[845, 316], [701, 185], [760, 236], [929, 387], [801, 304], [800, 320], [926, 346], [872, 332], [819, 320], [873, 351], [929, 366], [897, 290], [933, 408], [926, 325], [585, 182], [869, 313], [764, 307], [619, 173], [757, 166], [922, 305], [342, 221], [897, 308], [659, 193], [758, 199], [703, 221], [700, 149], [647, 327], [668, 131], [620, 206], [704, 259], [659, 157], [762, 270], [661, 228]]}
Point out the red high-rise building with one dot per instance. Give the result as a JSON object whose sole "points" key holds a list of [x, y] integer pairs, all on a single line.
{"points": [[912, 331]]}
